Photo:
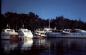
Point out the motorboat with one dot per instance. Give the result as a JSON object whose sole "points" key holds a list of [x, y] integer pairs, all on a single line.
{"points": [[9, 34], [25, 34], [42, 32], [77, 33]]}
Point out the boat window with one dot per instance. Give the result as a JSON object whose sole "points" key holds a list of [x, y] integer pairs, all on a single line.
{"points": [[9, 30], [26, 31], [42, 33]]}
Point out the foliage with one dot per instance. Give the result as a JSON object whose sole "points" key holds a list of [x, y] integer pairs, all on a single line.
{"points": [[33, 21]]}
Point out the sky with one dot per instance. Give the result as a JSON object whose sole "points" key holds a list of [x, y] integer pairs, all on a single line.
{"points": [[47, 9]]}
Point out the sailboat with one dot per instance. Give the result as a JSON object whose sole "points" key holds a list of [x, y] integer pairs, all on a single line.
{"points": [[42, 32], [67, 33]]}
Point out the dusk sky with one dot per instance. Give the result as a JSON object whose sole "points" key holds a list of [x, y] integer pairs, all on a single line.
{"points": [[73, 9]]}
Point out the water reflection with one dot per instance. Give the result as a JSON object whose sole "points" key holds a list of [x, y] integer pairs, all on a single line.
{"points": [[41, 42], [26, 45], [68, 46], [8, 45], [50, 46]]}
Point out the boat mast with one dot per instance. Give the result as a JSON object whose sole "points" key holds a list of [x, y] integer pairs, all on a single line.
{"points": [[49, 23], [23, 26]]}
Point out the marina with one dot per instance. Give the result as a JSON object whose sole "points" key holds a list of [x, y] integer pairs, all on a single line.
{"points": [[43, 27], [43, 42]]}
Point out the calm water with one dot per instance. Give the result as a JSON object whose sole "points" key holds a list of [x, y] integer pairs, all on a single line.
{"points": [[47, 46]]}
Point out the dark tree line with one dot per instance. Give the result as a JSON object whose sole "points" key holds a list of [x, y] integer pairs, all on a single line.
{"points": [[62, 23], [33, 21]]}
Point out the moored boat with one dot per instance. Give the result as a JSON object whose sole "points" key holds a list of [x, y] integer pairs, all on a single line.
{"points": [[76, 33], [42, 32], [25, 34], [9, 34]]}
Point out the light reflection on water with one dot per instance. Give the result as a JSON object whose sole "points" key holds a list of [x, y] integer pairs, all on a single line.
{"points": [[47, 46], [27, 44]]}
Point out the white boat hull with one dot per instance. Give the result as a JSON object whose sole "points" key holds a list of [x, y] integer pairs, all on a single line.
{"points": [[69, 35], [25, 34], [8, 35], [5, 37]]}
